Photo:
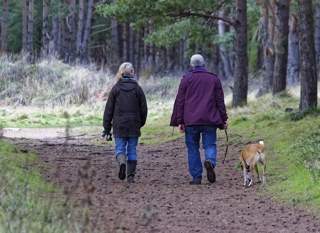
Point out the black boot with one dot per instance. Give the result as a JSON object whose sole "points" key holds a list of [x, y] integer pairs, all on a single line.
{"points": [[211, 175], [122, 166], [132, 164]]}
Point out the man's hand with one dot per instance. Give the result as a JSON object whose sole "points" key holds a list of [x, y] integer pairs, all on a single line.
{"points": [[181, 128], [225, 125]]}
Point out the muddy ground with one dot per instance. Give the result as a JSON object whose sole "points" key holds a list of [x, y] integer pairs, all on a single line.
{"points": [[161, 200]]}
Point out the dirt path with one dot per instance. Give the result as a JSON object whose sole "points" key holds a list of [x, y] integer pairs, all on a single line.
{"points": [[162, 200]]}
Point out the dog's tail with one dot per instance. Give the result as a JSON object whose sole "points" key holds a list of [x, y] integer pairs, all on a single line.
{"points": [[245, 162]]}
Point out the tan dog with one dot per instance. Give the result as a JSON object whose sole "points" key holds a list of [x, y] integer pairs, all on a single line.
{"points": [[252, 155]]}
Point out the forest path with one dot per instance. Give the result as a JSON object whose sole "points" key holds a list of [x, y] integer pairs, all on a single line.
{"points": [[161, 200]]}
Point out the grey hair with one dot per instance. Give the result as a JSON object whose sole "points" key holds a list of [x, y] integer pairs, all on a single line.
{"points": [[197, 60]]}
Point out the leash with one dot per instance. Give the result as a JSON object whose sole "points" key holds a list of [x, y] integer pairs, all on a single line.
{"points": [[227, 147]]}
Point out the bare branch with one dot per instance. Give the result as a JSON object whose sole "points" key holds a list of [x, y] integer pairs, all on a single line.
{"points": [[211, 16]]}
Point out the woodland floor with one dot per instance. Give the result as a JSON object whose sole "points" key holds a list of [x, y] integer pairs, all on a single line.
{"points": [[161, 200]]}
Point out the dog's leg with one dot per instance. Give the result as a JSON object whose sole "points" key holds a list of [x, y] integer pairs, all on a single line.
{"points": [[257, 171], [264, 167], [250, 176], [244, 175]]}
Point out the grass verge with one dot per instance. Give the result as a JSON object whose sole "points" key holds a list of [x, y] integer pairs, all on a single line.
{"points": [[27, 202], [293, 147]]}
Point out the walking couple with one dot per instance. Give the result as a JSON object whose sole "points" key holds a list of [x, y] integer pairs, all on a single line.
{"points": [[198, 111]]}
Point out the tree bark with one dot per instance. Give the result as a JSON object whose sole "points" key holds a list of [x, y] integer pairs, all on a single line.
{"points": [[71, 27], [140, 52], [87, 31], [224, 53], [147, 49], [133, 46], [215, 59], [115, 53], [120, 42], [45, 28], [240, 88], [127, 41], [317, 33], [55, 34], [4, 26], [267, 32], [308, 71], [80, 27], [293, 51], [281, 46], [25, 25], [30, 31]]}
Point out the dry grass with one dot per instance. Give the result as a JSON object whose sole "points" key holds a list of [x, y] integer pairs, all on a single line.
{"points": [[53, 83]]}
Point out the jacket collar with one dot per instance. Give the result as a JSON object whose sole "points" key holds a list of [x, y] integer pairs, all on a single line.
{"points": [[127, 77], [199, 69]]}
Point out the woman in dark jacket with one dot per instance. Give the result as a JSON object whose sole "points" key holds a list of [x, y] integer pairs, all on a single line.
{"points": [[126, 112]]}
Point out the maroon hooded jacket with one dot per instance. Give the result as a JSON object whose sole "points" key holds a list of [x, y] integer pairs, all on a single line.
{"points": [[200, 100]]}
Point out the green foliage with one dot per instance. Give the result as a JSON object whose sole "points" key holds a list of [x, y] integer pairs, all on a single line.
{"points": [[187, 28], [168, 23]]}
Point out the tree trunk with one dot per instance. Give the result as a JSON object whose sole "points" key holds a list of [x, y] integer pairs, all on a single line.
{"points": [[71, 26], [114, 53], [25, 25], [147, 49], [267, 31], [87, 31], [54, 42], [30, 31], [4, 25], [224, 53], [281, 46], [293, 51], [45, 28], [182, 54], [133, 47], [140, 52], [80, 27], [317, 33], [120, 42], [240, 88], [127, 41], [308, 71]]}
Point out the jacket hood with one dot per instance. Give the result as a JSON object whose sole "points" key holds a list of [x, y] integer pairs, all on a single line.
{"points": [[127, 84]]}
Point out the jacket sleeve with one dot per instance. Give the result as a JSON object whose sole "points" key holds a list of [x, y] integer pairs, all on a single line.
{"points": [[108, 111], [220, 101], [143, 106], [178, 108]]}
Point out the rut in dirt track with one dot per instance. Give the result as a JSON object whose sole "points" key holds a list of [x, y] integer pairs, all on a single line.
{"points": [[161, 200]]}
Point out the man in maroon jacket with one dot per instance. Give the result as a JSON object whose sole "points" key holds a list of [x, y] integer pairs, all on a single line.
{"points": [[199, 109]]}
